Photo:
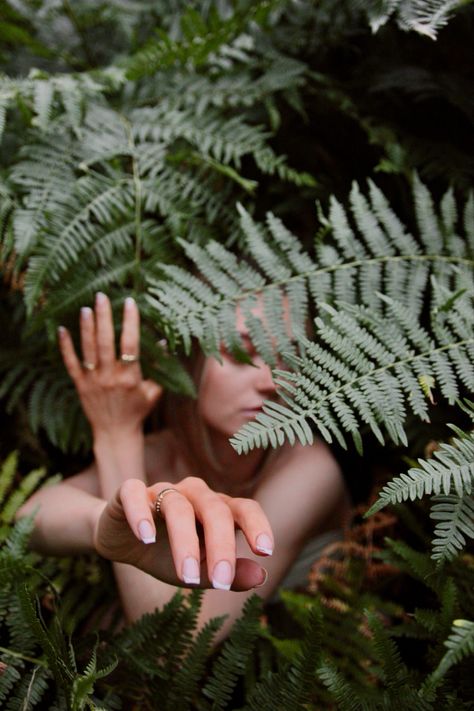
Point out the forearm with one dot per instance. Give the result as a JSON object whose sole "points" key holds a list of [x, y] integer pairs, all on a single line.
{"points": [[139, 592], [119, 456], [65, 519]]}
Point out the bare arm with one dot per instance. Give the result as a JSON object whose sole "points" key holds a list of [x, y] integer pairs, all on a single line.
{"points": [[66, 515]]}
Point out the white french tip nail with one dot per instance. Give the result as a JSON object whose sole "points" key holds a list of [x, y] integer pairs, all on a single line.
{"points": [[264, 544], [219, 586], [146, 532], [129, 301], [191, 581], [267, 551], [222, 575]]}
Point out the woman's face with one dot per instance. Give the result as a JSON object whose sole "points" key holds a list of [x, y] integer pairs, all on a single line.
{"points": [[231, 393]]}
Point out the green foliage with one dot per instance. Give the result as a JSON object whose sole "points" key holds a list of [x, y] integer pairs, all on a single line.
{"points": [[448, 478], [130, 132], [370, 356], [427, 18]]}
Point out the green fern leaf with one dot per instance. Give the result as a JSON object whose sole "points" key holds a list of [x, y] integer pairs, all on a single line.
{"points": [[460, 644], [455, 515], [450, 468]]}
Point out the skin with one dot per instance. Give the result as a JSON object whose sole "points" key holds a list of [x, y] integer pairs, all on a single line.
{"points": [[208, 534]]}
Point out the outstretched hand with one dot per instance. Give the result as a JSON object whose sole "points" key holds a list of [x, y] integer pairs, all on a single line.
{"points": [[169, 547], [112, 391]]}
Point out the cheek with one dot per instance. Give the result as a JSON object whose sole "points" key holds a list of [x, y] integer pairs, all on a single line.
{"points": [[216, 387]]}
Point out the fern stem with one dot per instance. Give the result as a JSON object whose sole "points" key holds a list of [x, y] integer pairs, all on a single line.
{"points": [[137, 184], [374, 260], [24, 657]]}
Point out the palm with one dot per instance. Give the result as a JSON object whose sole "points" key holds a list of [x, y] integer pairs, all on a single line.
{"points": [[115, 540]]}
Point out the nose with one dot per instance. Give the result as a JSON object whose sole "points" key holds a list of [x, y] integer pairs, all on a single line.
{"points": [[264, 381]]}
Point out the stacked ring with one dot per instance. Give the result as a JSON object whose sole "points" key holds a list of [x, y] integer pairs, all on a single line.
{"points": [[161, 496]]}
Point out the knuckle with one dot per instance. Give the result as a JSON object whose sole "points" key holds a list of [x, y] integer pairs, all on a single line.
{"points": [[195, 483], [215, 508], [246, 506], [129, 486]]}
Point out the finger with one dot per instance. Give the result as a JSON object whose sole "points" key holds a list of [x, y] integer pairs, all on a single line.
{"points": [[105, 337], [87, 328], [184, 542], [71, 361], [136, 505], [248, 575], [219, 537], [130, 338], [250, 518], [152, 391]]}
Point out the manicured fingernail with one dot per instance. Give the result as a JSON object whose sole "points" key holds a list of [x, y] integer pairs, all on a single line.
{"points": [[222, 575], [86, 312], [265, 578], [191, 572], [61, 331], [129, 302], [145, 529], [264, 544], [100, 298]]}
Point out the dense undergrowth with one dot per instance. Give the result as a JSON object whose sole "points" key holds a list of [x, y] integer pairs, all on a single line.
{"points": [[145, 145]]}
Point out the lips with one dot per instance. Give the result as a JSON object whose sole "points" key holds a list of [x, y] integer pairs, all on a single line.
{"points": [[252, 411]]}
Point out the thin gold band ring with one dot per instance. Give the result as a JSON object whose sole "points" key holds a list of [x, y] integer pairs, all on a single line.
{"points": [[129, 358], [161, 496]]}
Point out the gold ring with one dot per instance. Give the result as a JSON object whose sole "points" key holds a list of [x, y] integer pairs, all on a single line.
{"points": [[161, 496], [129, 358], [88, 366]]}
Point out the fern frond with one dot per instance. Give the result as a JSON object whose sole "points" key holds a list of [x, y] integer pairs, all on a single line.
{"points": [[426, 17], [455, 514], [21, 494], [293, 686], [380, 256], [8, 470], [199, 39], [30, 691], [341, 691], [460, 645], [234, 655], [450, 469], [349, 380]]}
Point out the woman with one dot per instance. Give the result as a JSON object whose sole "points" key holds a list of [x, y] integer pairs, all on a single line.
{"points": [[137, 505]]}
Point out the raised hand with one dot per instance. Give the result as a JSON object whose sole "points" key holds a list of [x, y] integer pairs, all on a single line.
{"points": [[113, 394], [167, 545]]}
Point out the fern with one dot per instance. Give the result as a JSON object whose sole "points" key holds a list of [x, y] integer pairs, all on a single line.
{"points": [[199, 39], [455, 516], [370, 363], [448, 478], [366, 370], [232, 661], [426, 17], [450, 469], [460, 644]]}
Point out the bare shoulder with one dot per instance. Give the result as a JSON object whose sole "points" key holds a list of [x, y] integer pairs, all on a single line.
{"points": [[304, 492], [315, 457]]}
